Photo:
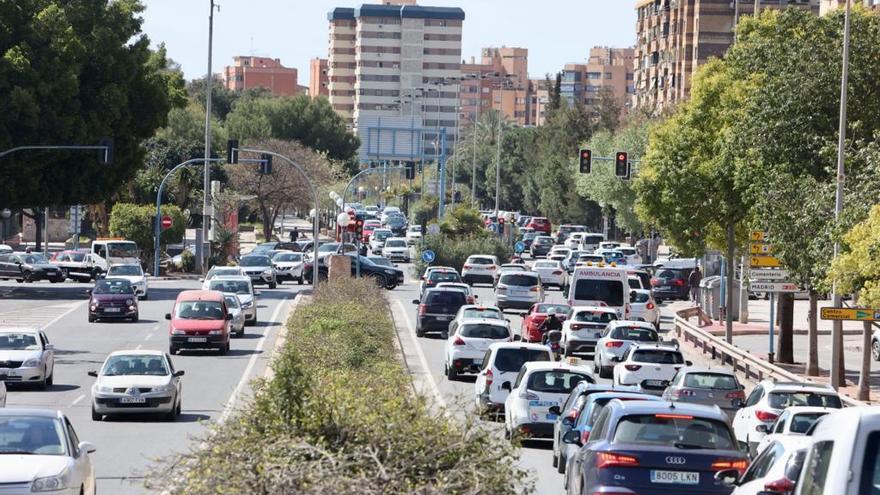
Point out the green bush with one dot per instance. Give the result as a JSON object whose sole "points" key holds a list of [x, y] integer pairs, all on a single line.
{"points": [[340, 416], [187, 262], [135, 223], [424, 210], [453, 251]]}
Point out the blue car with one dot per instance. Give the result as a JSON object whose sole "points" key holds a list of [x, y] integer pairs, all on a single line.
{"points": [[655, 448]]}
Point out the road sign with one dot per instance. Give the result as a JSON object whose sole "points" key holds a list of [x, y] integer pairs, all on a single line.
{"points": [[768, 275], [519, 247], [760, 248], [773, 287], [167, 222], [856, 314], [764, 262], [758, 236], [428, 256]]}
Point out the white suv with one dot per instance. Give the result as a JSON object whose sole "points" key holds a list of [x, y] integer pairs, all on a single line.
{"points": [[538, 387], [468, 342], [501, 364], [584, 328], [480, 268], [396, 248], [649, 366], [617, 338], [767, 401]]}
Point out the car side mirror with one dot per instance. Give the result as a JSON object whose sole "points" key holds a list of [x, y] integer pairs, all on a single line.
{"points": [[763, 428], [571, 437], [416, 301], [728, 477], [228, 316], [87, 447], [554, 410], [167, 316], [615, 359], [689, 363], [89, 292], [179, 373], [476, 296], [517, 338], [93, 373], [506, 386], [49, 347]]}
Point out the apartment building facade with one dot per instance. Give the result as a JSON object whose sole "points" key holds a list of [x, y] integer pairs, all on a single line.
{"points": [[500, 81], [319, 77], [252, 72], [827, 6], [610, 70]]}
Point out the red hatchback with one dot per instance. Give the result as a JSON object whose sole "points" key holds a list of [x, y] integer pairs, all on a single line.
{"points": [[199, 320], [540, 224], [531, 324]]}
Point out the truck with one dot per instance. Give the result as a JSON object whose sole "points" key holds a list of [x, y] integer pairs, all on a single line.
{"points": [[109, 251]]}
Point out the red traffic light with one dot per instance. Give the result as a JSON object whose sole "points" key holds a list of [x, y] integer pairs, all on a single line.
{"points": [[585, 154], [621, 156]]}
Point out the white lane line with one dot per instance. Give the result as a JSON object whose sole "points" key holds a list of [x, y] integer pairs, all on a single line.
{"points": [[422, 359], [138, 347], [149, 336], [245, 377], [77, 400]]}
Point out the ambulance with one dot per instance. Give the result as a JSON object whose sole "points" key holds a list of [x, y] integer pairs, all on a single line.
{"points": [[601, 285]]}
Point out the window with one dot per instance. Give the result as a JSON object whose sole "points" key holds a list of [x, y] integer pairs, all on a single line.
{"points": [[762, 464], [600, 426], [716, 381], [657, 357], [816, 470], [637, 334], [608, 291], [755, 396], [672, 429], [802, 422], [554, 382], [594, 75], [519, 280], [508, 360], [782, 400], [870, 483]]}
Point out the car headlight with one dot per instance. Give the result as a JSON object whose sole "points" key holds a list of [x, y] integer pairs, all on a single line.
{"points": [[390, 272], [164, 388], [267, 272], [177, 332], [51, 483], [247, 305], [129, 302], [105, 389], [215, 332], [31, 363]]}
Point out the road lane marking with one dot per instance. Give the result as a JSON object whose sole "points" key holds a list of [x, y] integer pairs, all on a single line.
{"points": [[30, 320], [149, 336], [77, 400], [422, 359], [138, 347]]}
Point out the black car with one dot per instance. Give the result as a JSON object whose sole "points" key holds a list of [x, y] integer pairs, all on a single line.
{"points": [[385, 276], [397, 224], [29, 267], [671, 283], [437, 308], [541, 246]]}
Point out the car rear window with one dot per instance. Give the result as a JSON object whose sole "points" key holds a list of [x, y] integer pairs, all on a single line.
{"points": [[546, 264], [511, 360], [444, 277], [543, 240], [608, 291], [480, 261], [640, 297], [782, 400], [634, 283], [479, 331], [667, 273], [657, 357], [683, 431], [638, 334], [482, 313], [519, 280], [553, 308], [395, 243], [594, 316], [446, 298], [554, 382], [714, 381], [802, 422]]}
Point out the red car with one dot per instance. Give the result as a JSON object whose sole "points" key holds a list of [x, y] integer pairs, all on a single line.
{"points": [[531, 324], [369, 227], [540, 224]]}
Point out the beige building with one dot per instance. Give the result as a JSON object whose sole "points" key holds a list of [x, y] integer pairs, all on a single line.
{"points": [[319, 77], [607, 69], [828, 5], [676, 37], [500, 81]]}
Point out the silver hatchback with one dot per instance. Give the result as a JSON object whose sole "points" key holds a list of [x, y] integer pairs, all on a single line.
{"points": [[518, 290], [710, 387]]}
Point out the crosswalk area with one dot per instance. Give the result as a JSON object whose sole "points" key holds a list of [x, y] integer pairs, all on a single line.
{"points": [[37, 316]]}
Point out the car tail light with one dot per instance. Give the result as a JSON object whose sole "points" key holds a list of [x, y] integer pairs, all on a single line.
{"points": [[650, 305], [489, 377], [683, 393], [632, 367], [458, 341], [467, 267], [423, 309], [614, 343], [766, 416], [576, 326], [783, 485], [679, 282], [535, 289], [611, 459], [739, 394], [490, 267], [655, 282], [557, 272], [585, 436], [738, 464]]}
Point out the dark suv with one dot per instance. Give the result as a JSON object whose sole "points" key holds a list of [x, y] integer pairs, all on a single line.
{"points": [[671, 283], [29, 267], [437, 308], [541, 245]]}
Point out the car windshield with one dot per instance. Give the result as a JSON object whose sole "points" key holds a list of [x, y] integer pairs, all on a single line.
{"points": [[802, 422], [613, 256], [232, 302], [396, 243], [546, 264], [258, 260], [511, 360], [480, 261], [640, 297], [33, 259], [231, 286], [31, 435], [113, 286], [415, 228], [656, 356], [592, 258], [714, 381], [122, 249], [480, 331], [559, 309], [378, 260], [637, 334], [200, 310], [140, 365], [125, 271], [669, 274], [218, 272], [592, 239], [289, 257], [491, 313], [543, 240], [782, 400], [18, 342], [518, 280], [608, 291], [594, 316], [681, 430], [554, 382], [444, 277], [446, 298], [381, 235]]}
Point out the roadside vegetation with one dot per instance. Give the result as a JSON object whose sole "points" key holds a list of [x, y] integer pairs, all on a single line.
{"points": [[462, 234]]}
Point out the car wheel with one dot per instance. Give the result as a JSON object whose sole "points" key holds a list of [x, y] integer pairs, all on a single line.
{"points": [[173, 350], [241, 332], [451, 375], [51, 380], [95, 415], [391, 285], [420, 332], [555, 461], [561, 467], [875, 350], [174, 413], [146, 296], [272, 285], [606, 372], [300, 280], [28, 277], [567, 352], [91, 318], [44, 383], [134, 319]]}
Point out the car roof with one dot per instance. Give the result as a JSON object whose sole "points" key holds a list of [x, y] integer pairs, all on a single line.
{"points": [[654, 346], [631, 323], [200, 295], [555, 365], [519, 345], [237, 278], [11, 412], [602, 309], [793, 410], [32, 330], [487, 321], [703, 369], [668, 407], [770, 385], [136, 352]]}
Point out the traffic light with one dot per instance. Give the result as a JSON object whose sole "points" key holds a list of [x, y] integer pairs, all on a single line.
{"points": [[586, 161], [410, 171], [266, 164], [359, 226], [621, 165], [232, 151]]}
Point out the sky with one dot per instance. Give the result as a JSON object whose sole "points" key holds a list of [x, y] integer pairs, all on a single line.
{"points": [[556, 32]]}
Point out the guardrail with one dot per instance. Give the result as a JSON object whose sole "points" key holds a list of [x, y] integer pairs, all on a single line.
{"points": [[752, 367]]}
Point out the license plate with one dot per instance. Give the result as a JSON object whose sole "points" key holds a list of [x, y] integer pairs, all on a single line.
{"points": [[197, 339], [443, 318], [655, 383], [665, 287], [675, 477], [133, 400], [112, 310]]}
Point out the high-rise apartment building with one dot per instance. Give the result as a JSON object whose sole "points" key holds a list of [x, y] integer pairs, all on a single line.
{"points": [[828, 5], [252, 72], [610, 70], [500, 81], [319, 77], [539, 99], [676, 37]]}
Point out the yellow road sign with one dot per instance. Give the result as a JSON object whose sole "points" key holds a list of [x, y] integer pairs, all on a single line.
{"points": [[758, 236], [764, 261], [850, 314], [761, 248]]}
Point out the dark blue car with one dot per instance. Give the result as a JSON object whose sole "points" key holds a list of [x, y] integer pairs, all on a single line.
{"points": [[655, 448]]}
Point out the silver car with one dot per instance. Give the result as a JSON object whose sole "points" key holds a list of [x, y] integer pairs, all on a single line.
{"points": [[136, 381], [260, 269], [243, 288], [518, 290], [711, 387], [26, 356], [233, 305]]}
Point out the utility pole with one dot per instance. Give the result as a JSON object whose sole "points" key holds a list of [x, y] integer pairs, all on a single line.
{"points": [[498, 164], [735, 18], [206, 204], [837, 364]]}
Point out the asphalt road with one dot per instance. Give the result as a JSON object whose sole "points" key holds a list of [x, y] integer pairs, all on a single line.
{"points": [[128, 446]]}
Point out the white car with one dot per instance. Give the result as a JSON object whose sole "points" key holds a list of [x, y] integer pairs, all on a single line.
{"points": [[136, 381], [243, 288], [467, 289], [551, 273], [134, 274], [776, 470], [377, 240], [288, 266], [430, 280], [480, 268], [643, 307], [26, 356], [476, 311], [413, 234], [220, 271], [468, 342], [574, 240], [388, 211], [233, 305], [559, 253], [769, 399], [518, 290], [501, 364], [794, 421], [617, 338], [590, 260], [608, 245], [649, 366], [632, 255], [538, 387], [396, 248], [43, 454], [582, 331]]}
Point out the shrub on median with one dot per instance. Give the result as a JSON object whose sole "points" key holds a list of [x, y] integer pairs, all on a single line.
{"points": [[454, 251], [339, 416]]}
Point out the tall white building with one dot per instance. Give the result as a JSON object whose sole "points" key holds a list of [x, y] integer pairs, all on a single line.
{"points": [[393, 71]]}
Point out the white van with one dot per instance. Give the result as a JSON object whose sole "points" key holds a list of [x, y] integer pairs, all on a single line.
{"points": [[602, 286], [590, 242], [114, 251]]}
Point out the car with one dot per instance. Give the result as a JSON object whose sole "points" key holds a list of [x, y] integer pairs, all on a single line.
{"points": [[260, 269], [767, 401], [6, 249], [436, 309], [608, 245], [649, 366], [134, 274], [288, 266], [590, 242], [604, 286], [589, 260], [518, 290], [566, 230], [433, 277], [569, 262], [29, 267], [377, 240], [388, 211], [794, 421], [372, 211], [233, 304], [468, 341], [631, 255], [113, 299], [616, 339], [538, 387], [541, 245], [612, 256], [222, 271], [478, 311], [527, 238], [671, 283], [396, 248], [707, 386], [383, 276], [199, 320], [467, 289], [43, 454], [26, 357], [381, 261], [573, 241], [551, 273], [501, 363], [413, 234], [333, 248], [654, 448], [480, 268], [775, 470], [242, 287], [559, 252], [397, 224], [644, 308], [535, 316], [583, 329], [264, 247], [136, 382], [540, 224], [369, 227], [76, 264]]}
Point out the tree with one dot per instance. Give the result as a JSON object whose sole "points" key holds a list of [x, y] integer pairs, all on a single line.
{"points": [[135, 223], [608, 110], [73, 72]]}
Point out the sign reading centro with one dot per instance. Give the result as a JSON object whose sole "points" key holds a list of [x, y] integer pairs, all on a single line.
{"points": [[851, 314]]}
